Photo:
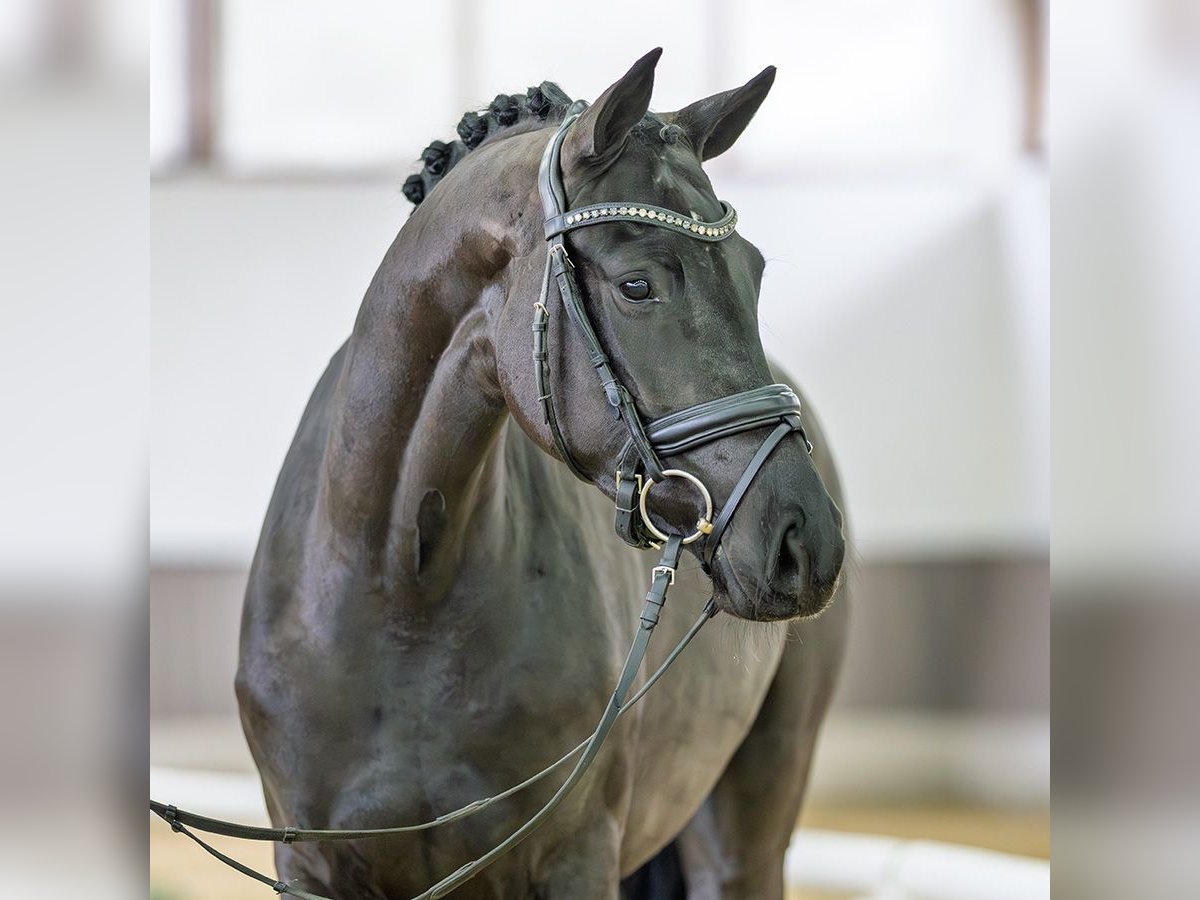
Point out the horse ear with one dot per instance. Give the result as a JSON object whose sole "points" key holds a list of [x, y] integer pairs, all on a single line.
{"points": [[600, 132], [715, 122]]}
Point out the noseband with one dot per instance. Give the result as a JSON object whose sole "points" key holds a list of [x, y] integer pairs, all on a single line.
{"points": [[639, 469], [639, 465]]}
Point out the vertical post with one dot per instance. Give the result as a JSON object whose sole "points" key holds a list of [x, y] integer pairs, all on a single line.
{"points": [[202, 28], [1032, 15], [69, 36]]}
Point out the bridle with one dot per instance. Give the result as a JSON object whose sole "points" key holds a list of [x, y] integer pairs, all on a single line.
{"points": [[639, 468], [639, 465]]}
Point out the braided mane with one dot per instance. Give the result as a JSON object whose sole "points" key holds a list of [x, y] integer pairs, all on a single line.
{"points": [[545, 103]]}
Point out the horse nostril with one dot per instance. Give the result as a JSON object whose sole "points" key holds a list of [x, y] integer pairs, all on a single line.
{"points": [[790, 563]]}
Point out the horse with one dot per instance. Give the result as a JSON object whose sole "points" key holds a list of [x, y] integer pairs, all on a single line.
{"points": [[435, 610]]}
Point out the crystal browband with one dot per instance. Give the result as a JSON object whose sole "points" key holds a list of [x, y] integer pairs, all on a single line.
{"points": [[640, 212]]}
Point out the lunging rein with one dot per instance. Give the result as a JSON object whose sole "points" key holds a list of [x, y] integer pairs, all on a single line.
{"points": [[639, 469]]}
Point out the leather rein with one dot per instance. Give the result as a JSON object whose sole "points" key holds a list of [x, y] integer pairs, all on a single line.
{"points": [[639, 468]]}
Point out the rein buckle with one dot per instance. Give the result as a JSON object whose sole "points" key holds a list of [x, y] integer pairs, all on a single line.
{"points": [[664, 570]]}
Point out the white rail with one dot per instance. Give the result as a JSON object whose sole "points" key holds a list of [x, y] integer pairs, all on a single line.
{"points": [[883, 868]]}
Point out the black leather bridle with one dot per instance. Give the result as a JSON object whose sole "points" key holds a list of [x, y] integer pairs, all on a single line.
{"points": [[639, 468], [639, 465]]}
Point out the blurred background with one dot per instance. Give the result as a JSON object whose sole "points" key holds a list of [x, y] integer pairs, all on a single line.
{"points": [[895, 180]]}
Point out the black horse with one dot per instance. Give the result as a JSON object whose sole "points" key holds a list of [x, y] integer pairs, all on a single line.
{"points": [[437, 608]]}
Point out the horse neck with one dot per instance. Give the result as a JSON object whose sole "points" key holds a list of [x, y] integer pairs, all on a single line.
{"points": [[417, 407]]}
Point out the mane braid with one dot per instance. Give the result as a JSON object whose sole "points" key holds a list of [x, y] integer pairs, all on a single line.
{"points": [[546, 103]]}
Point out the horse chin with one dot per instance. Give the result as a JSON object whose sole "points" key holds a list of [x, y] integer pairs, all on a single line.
{"points": [[743, 598], [734, 597]]}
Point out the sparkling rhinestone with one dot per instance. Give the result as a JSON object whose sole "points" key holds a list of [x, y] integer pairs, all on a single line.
{"points": [[641, 212], [623, 210]]}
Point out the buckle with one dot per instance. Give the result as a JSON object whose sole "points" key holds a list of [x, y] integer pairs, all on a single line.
{"points": [[661, 570], [561, 249], [637, 479]]}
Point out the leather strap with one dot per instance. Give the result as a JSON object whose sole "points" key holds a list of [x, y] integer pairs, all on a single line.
{"points": [[628, 523], [280, 887], [739, 490], [541, 359]]}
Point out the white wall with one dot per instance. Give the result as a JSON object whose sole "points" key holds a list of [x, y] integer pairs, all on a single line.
{"points": [[900, 306], [907, 284]]}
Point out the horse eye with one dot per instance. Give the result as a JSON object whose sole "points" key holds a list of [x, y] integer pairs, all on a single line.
{"points": [[636, 291]]}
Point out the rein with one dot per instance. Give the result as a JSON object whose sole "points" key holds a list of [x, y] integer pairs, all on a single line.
{"points": [[639, 468]]}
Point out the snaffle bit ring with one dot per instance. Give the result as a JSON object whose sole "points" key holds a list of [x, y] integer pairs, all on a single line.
{"points": [[703, 527]]}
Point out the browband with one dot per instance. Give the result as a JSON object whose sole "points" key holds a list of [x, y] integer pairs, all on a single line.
{"points": [[643, 214]]}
